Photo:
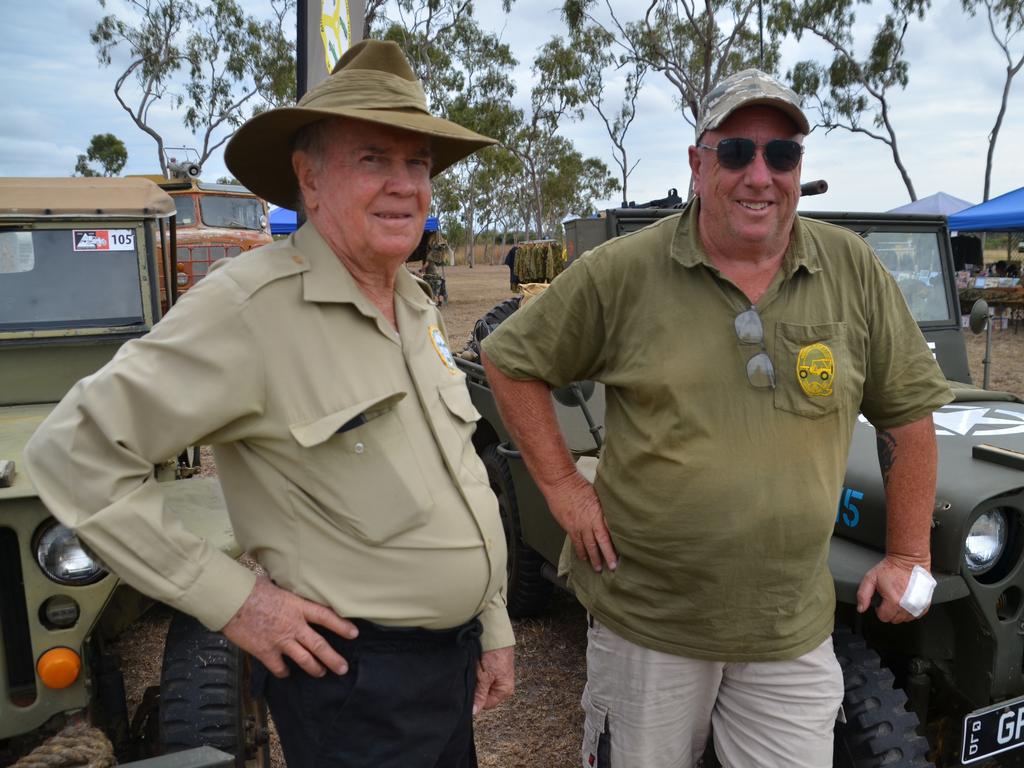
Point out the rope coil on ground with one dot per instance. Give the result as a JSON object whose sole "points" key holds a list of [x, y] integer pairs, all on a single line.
{"points": [[77, 746]]}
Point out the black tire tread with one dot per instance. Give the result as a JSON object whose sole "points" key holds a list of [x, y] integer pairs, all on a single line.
{"points": [[200, 685], [491, 320], [879, 730], [528, 590]]}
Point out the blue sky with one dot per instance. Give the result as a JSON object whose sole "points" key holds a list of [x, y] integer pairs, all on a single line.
{"points": [[58, 97]]}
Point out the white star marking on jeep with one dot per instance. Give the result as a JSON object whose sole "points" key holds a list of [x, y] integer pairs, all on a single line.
{"points": [[966, 420]]}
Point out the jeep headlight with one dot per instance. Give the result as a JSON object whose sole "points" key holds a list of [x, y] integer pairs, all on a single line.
{"points": [[63, 558], [985, 541]]}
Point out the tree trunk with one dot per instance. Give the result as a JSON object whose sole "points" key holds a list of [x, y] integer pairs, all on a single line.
{"points": [[470, 235], [895, 150], [1010, 72], [625, 176]]}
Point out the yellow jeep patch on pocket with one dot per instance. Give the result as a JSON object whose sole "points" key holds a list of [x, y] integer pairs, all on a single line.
{"points": [[816, 370]]}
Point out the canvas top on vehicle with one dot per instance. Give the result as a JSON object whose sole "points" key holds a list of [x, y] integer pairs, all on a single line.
{"points": [[59, 197], [78, 277]]}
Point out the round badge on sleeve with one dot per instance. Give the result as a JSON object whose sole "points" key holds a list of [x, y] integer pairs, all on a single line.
{"points": [[441, 347]]}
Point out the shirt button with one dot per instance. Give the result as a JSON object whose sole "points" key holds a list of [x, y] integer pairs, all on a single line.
{"points": [[359, 447], [487, 542]]}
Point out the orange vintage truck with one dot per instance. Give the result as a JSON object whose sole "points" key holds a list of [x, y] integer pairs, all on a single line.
{"points": [[213, 221]]}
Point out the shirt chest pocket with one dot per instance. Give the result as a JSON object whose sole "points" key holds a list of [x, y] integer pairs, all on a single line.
{"points": [[456, 423], [813, 376], [361, 470]]}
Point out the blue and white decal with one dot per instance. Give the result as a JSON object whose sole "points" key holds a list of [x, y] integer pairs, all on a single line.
{"points": [[441, 347]]}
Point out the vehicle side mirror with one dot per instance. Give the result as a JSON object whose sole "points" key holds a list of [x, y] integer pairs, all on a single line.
{"points": [[576, 393], [979, 316]]}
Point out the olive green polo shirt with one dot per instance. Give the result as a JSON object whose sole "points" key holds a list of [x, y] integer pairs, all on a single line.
{"points": [[720, 496], [343, 448]]}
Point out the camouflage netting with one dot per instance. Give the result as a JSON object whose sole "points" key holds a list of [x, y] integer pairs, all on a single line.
{"points": [[539, 262]]}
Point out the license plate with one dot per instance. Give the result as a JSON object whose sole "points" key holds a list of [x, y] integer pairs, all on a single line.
{"points": [[992, 730]]}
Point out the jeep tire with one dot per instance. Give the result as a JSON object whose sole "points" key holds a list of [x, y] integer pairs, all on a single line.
{"points": [[879, 731], [528, 590], [206, 698], [495, 316]]}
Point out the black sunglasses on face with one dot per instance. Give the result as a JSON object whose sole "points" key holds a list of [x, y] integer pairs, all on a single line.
{"points": [[780, 154]]}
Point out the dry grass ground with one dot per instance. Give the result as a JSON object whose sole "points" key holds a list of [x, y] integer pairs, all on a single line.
{"points": [[541, 726], [471, 292]]}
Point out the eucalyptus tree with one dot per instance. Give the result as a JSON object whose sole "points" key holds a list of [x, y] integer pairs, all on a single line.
{"points": [[482, 104], [506, 206], [556, 95], [497, 175], [208, 60], [105, 149], [428, 31], [693, 45], [1005, 22], [466, 75], [595, 48], [572, 184], [852, 92]]}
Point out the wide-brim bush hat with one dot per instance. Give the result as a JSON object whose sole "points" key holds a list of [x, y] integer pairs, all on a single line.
{"points": [[373, 82], [749, 88]]}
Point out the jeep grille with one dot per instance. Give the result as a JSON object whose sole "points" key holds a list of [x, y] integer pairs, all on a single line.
{"points": [[14, 630]]}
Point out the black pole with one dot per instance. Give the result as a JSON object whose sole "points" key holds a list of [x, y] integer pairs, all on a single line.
{"points": [[301, 48]]}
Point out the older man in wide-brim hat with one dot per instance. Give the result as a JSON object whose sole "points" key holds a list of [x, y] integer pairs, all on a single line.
{"points": [[319, 370]]}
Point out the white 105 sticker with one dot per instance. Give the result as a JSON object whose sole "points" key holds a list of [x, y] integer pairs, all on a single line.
{"points": [[104, 239]]}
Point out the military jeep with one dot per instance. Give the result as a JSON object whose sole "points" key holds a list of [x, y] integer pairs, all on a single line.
{"points": [[944, 689], [78, 278]]}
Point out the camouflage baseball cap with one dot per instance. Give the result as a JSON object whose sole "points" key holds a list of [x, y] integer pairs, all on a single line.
{"points": [[746, 89]]}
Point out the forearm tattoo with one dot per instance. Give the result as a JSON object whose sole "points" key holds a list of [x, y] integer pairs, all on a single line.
{"points": [[886, 444]]}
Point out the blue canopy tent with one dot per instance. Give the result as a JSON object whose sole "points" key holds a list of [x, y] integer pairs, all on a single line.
{"points": [[939, 203], [282, 221], [1000, 214]]}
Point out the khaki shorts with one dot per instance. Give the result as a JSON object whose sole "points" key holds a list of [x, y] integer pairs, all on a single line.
{"points": [[647, 709]]}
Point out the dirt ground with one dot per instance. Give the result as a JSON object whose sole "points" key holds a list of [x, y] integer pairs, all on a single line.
{"points": [[1006, 369], [471, 292], [541, 726]]}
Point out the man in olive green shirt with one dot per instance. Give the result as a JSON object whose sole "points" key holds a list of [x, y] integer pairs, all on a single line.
{"points": [[737, 343], [318, 369]]}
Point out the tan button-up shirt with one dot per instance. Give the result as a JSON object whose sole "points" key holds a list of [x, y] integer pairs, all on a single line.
{"points": [[343, 448]]}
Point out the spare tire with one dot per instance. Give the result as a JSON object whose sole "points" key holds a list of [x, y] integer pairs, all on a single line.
{"points": [[486, 324]]}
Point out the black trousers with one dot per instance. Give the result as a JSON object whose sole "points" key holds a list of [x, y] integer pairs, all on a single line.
{"points": [[406, 701]]}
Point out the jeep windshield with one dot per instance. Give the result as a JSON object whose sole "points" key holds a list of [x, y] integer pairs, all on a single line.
{"points": [[232, 212], [914, 260], [69, 278]]}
